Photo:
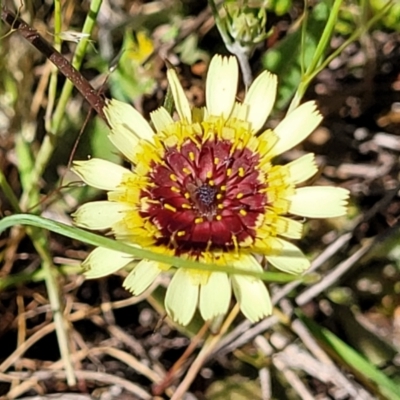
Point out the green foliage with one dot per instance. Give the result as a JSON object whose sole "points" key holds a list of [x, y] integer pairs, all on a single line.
{"points": [[291, 56]]}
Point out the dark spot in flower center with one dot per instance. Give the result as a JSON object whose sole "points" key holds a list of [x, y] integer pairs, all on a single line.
{"points": [[206, 194]]}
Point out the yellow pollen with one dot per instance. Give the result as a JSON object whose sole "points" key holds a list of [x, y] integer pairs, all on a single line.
{"points": [[223, 188], [198, 220], [216, 160], [211, 183], [209, 174], [173, 177], [239, 196], [218, 218], [186, 206], [219, 196], [169, 207], [191, 156], [187, 195], [181, 233], [175, 189], [243, 212], [241, 172], [186, 170], [235, 243], [229, 172], [220, 206]]}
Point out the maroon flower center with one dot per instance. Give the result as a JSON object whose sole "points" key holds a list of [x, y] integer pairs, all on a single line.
{"points": [[205, 196]]}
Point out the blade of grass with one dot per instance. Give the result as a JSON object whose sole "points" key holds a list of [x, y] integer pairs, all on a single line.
{"points": [[97, 240]]}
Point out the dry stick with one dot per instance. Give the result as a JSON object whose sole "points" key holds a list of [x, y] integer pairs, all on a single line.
{"points": [[63, 65]]}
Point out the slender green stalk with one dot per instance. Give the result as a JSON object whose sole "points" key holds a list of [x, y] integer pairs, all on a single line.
{"points": [[52, 285], [318, 55], [51, 139], [54, 72], [8, 192], [317, 65]]}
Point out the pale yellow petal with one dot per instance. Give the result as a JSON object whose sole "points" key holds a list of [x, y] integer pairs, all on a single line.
{"points": [[101, 174], [240, 111], [142, 276], [319, 202], [293, 229], [261, 98], [296, 126], [161, 119], [102, 262], [290, 259], [128, 127], [302, 168], [221, 86], [100, 214], [251, 293], [182, 297], [215, 296], [180, 99]]}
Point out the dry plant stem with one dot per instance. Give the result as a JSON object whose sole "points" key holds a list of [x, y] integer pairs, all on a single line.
{"points": [[208, 347], [177, 367], [63, 65]]}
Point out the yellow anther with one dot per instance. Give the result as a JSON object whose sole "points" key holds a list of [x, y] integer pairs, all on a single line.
{"points": [[229, 172], [219, 196], [187, 195], [216, 160], [239, 196], [169, 207], [235, 243], [175, 189], [223, 188], [198, 220], [209, 174], [241, 172], [211, 182], [181, 233], [186, 206], [186, 170], [191, 156], [243, 212], [220, 207], [218, 218], [173, 177]]}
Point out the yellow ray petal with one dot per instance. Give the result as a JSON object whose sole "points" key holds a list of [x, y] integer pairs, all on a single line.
{"points": [[182, 297], [180, 99], [261, 98], [102, 262], [296, 126], [101, 174], [290, 259], [215, 296], [221, 86], [319, 202], [142, 276], [100, 214]]}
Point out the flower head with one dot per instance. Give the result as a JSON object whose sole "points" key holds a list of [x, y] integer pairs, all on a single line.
{"points": [[204, 188]]}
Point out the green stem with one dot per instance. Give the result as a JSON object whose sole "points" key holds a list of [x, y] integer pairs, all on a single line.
{"points": [[319, 53], [51, 139]]}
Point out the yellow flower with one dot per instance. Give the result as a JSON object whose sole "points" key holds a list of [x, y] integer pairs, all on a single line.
{"points": [[204, 188]]}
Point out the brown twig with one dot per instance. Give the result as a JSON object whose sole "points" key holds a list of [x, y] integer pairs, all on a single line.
{"points": [[63, 65]]}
